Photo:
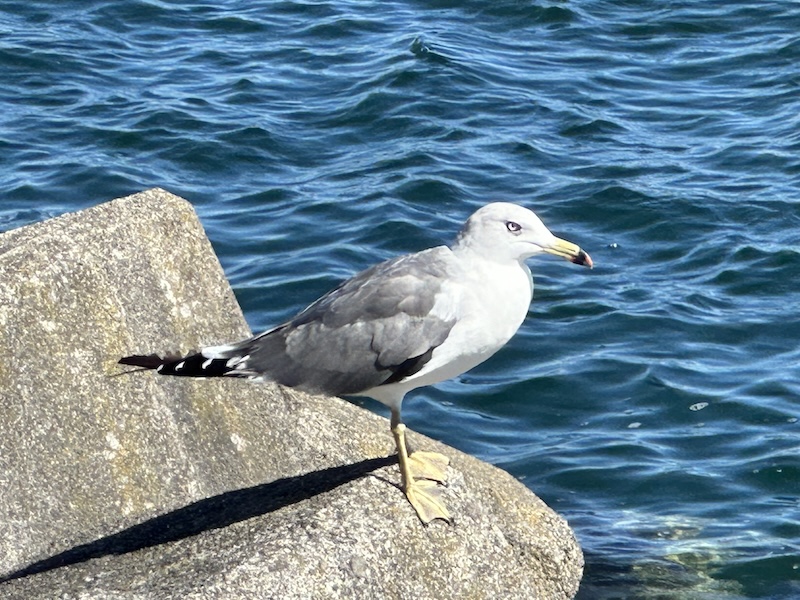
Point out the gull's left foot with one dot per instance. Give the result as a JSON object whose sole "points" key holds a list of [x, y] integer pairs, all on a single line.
{"points": [[428, 465], [421, 473], [426, 498]]}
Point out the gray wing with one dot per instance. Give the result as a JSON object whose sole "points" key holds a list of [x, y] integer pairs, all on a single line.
{"points": [[373, 329]]}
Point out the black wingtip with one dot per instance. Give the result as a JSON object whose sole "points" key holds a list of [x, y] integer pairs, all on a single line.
{"points": [[191, 365], [149, 361]]}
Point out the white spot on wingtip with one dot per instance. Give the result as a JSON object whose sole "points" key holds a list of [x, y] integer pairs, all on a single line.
{"points": [[237, 361], [159, 368], [180, 366], [207, 363]]}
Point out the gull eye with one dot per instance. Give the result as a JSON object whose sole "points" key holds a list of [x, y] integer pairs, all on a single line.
{"points": [[513, 227]]}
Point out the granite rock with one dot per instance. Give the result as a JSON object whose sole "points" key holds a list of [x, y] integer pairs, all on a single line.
{"points": [[132, 485]]}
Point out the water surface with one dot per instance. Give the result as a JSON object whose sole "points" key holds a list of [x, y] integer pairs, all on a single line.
{"points": [[651, 401]]}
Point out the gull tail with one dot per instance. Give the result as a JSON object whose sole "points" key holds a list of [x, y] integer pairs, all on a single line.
{"points": [[193, 365]]}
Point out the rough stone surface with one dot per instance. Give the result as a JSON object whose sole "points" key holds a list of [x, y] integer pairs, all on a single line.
{"points": [[140, 486]]}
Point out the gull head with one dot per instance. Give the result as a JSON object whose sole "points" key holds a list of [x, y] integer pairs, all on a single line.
{"points": [[504, 232]]}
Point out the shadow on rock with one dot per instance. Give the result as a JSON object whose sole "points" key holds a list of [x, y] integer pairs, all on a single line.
{"points": [[207, 514]]}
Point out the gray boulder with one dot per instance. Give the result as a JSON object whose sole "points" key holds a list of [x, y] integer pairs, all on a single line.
{"points": [[140, 486]]}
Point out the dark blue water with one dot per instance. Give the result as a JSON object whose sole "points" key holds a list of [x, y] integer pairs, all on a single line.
{"points": [[651, 401]]}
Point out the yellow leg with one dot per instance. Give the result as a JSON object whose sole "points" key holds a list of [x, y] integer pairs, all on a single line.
{"points": [[422, 489]]}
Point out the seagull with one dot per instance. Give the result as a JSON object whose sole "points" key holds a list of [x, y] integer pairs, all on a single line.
{"points": [[411, 321]]}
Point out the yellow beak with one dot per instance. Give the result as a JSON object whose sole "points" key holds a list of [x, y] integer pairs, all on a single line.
{"points": [[570, 251]]}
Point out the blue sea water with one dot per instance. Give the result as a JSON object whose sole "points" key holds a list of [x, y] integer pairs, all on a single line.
{"points": [[651, 401]]}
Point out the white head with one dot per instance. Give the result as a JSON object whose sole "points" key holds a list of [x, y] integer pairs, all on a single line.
{"points": [[503, 231]]}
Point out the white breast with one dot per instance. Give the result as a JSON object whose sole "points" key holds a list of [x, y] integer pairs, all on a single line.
{"points": [[489, 304]]}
